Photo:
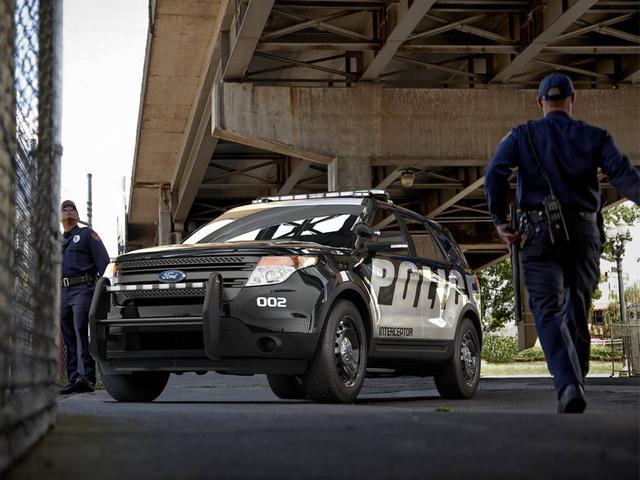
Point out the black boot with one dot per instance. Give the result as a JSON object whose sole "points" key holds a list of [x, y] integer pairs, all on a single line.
{"points": [[572, 399], [68, 389]]}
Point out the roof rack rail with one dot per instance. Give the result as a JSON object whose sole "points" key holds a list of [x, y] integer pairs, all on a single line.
{"points": [[377, 194]]}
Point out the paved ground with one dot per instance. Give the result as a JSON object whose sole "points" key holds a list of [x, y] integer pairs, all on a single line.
{"points": [[233, 427]]}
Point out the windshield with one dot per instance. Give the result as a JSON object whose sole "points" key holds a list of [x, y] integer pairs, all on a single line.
{"points": [[330, 224]]}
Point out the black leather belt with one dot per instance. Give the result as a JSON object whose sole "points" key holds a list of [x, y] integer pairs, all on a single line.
{"points": [[72, 281], [536, 216]]}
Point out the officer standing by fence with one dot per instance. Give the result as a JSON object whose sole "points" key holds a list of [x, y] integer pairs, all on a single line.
{"points": [[84, 259], [559, 199]]}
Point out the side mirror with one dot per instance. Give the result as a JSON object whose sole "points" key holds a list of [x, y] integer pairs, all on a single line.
{"points": [[365, 231]]}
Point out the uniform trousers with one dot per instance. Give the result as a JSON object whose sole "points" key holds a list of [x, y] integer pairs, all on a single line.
{"points": [[560, 280], [74, 323]]}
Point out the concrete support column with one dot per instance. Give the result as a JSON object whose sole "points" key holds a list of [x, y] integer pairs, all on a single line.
{"points": [[164, 215], [349, 173]]}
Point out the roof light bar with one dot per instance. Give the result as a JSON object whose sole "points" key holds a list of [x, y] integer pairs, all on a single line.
{"points": [[379, 194]]}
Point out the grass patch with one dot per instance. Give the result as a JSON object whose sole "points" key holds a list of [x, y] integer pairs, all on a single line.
{"points": [[534, 368], [443, 409]]}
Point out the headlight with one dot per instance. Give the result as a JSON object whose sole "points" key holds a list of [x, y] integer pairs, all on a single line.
{"points": [[110, 272], [273, 270]]}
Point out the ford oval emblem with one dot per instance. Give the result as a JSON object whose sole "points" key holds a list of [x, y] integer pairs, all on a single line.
{"points": [[171, 276]]}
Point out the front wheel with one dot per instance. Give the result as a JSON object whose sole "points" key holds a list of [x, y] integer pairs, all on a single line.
{"points": [[336, 373], [460, 375], [136, 387]]}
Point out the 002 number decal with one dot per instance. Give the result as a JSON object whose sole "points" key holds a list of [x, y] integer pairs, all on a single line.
{"points": [[273, 302]]}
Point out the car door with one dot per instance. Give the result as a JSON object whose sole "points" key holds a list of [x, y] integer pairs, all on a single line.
{"points": [[442, 287], [395, 280]]}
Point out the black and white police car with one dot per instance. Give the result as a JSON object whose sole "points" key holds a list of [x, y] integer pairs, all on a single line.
{"points": [[309, 289]]}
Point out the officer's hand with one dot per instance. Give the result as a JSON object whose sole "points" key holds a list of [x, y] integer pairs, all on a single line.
{"points": [[508, 235]]}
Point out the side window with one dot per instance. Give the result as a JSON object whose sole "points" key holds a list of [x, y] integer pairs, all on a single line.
{"points": [[450, 245], [392, 239], [426, 246]]}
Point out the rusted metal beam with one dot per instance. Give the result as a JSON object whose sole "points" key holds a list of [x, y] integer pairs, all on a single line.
{"points": [[405, 27], [568, 17]]}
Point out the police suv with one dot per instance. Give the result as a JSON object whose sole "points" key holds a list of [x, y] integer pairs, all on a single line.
{"points": [[309, 289]]}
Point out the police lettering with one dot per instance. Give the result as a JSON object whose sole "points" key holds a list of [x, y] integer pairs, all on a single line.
{"points": [[395, 332], [406, 285]]}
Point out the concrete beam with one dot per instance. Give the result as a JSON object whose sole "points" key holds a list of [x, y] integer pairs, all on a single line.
{"points": [[196, 166], [400, 33], [253, 21], [164, 215], [562, 22], [345, 174], [401, 127]]}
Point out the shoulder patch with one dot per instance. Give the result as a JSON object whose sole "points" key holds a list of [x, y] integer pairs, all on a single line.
{"points": [[95, 236]]}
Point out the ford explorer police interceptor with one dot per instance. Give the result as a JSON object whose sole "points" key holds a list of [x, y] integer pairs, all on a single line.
{"points": [[308, 289]]}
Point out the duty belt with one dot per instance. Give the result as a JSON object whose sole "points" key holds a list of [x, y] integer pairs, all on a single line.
{"points": [[536, 216], [72, 281]]}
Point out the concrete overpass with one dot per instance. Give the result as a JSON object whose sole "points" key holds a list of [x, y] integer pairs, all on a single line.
{"points": [[251, 97]]}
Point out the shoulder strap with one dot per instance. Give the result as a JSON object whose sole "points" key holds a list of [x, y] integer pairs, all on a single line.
{"points": [[534, 151]]}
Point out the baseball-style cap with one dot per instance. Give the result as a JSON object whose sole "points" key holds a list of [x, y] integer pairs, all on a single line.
{"points": [[555, 86], [68, 203]]}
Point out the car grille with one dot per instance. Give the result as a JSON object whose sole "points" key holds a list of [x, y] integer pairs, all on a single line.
{"points": [[235, 271], [176, 262], [182, 292]]}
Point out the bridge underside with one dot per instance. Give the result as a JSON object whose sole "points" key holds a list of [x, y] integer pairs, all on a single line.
{"points": [[257, 97]]}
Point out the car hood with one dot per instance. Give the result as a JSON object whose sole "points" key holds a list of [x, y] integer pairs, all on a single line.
{"points": [[258, 248]]}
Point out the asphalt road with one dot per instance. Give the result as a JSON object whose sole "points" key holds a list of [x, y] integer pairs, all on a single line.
{"points": [[222, 427]]}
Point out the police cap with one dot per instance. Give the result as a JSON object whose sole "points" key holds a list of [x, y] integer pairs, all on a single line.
{"points": [[68, 203], [555, 86]]}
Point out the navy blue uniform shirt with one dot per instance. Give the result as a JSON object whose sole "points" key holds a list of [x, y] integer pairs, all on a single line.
{"points": [[83, 253], [571, 152]]}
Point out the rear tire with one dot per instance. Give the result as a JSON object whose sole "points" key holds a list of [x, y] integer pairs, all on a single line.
{"points": [[136, 387], [460, 375], [336, 373], [287, 387]]}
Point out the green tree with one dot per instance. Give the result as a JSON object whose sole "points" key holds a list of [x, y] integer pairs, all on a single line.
{"points": [[497, 298]]}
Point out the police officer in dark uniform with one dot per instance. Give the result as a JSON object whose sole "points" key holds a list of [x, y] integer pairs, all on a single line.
{"points": [[561, 271], [84, 259]]}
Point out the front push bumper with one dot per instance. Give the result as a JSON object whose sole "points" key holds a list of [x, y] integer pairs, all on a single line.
{"points": [[213, 341]]}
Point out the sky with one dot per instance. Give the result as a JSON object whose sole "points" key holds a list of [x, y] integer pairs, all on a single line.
{"points": [[103, 58]]}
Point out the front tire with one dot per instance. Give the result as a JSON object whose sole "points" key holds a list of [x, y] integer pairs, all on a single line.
{"points": [[336, 373], [460, 375], [136, 387], [287, 387]]}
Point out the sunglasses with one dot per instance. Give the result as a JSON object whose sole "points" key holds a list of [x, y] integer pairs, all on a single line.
{"points": [[68, 209]]}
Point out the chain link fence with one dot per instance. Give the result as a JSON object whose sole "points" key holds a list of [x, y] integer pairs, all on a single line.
{"points": [[30, 42]]}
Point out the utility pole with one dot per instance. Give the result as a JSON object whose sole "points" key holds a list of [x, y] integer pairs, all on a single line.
{"points": [[619, 235], [89, 202]]}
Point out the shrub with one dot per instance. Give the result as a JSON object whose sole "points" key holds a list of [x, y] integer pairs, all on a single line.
{"points": [[498, 349], [600, 354], [605, 354], [533, 354]]}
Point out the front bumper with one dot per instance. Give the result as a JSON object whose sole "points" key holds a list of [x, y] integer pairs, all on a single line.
{"points": [[222, 339]]}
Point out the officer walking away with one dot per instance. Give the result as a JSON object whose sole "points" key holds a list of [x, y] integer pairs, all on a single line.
{"points": [[558, 194], [84, 259]]}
